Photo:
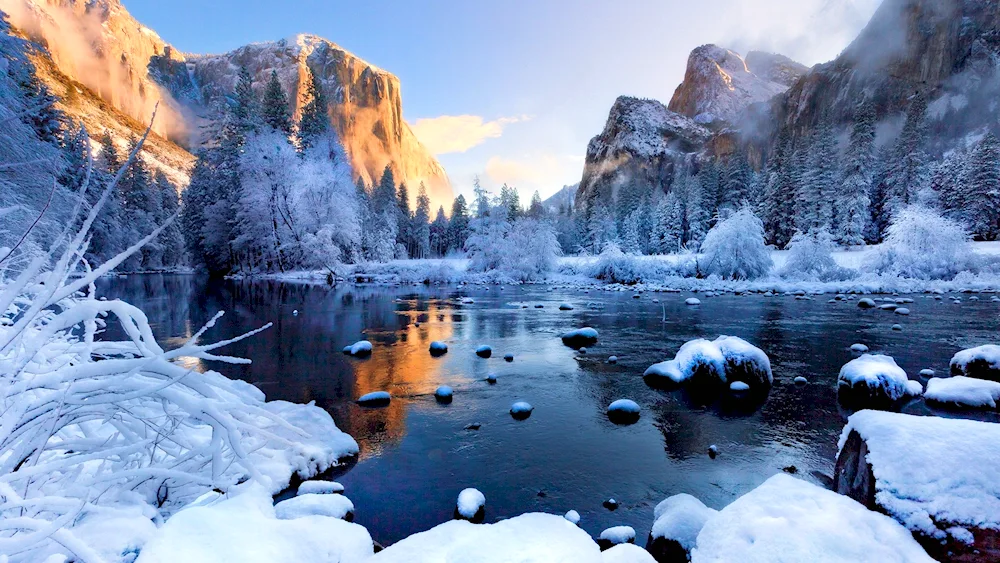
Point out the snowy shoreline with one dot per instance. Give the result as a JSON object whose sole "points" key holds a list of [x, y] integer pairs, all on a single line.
{"points": [[571, 272]]}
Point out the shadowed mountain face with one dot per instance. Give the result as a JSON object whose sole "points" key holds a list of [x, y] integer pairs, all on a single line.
{"points": [[99, 46], [945, 49]]}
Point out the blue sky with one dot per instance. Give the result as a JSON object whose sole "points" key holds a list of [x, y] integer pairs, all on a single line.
{"points": [[514, 90]]}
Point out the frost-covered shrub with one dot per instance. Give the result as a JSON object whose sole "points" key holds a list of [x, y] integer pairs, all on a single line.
{"points": [[922, 244], [522, 250], [615, 266], [810, 257], [100, 438], [735, 248]]}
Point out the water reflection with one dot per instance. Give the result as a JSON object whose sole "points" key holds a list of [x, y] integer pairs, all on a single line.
{"points": [[417, 454]]}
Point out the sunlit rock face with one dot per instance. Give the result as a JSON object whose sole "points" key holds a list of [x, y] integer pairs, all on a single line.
{"points": [[642, 142], [719, 84], [365, 104], [123, 69]]}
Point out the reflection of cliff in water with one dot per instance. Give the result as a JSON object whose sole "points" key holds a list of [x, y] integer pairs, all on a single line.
{"points": [[401, 331], [299, 358]]}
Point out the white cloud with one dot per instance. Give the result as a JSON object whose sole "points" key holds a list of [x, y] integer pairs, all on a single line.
{"points": [[459, 133], [544, 172]]}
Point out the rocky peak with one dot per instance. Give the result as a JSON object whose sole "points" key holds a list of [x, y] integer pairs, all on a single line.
{"points": [[719, 84], [99, 45], [642, 142]]}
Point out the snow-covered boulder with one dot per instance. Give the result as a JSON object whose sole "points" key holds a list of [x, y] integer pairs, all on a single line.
{"points": [[521, 410], [471, 506], [871, 381], [508, 358], [438, 348], [677, 522], [311, 504], [711, 364], [320, 488], [859, 348], [697, 360], [375, 399], [982, 362], [787, 519], [961, 391], [866, 303], [529, 538], [626, 553], [939, 477], [244, 528], [616, 535], [444, 394], [565, 307], [745, 362], [573, 516], [692, 301], [623, 411], [580, 337], [359, 349], [484, 351]]}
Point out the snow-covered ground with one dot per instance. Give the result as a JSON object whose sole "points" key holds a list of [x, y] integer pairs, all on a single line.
{"points": [[672, 272]]}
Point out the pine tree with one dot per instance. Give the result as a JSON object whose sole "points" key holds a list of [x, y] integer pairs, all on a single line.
{"points": [[421, 224], [909, 168], [668, 221], [879, 197], [778, 197], [823, 176], [711, 189], [274, 107], [404, 220], [385, 217], [736, 184], [510, 202], [852, 203], [602, 229], [315, 120], [458, 225], [109, 154], [171, 240], [801, 178], [439, 233], [980, 196], [41, 115], [481, 199], [536, 209], [246, 110]]}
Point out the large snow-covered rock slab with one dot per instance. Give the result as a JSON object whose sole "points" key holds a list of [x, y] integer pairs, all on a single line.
{"points": [[244, 528], [314, 444], [872, 381], [677, 522], [529, 538], [982, 362], [627, 553], [963, 392], [787, 519], [311, 504], [939, 477], [580, 337]]}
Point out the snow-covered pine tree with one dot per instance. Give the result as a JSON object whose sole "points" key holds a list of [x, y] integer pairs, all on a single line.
{"points": [[909, 168], [947, 182], [274, 106], [851, 201], [438, 234], [171, 240], [41, 114], [385, 222], [246, 108], [667, 224], [109, 158], [535, 209], [421, 225], [824, 170], [404, 223], [695, 215], [458, 225], [601, 229], [736, 182], [315, 120], [879, 196], [481, 199], [510, 201], [779, 193], [135, 192], [711, 188], [980, 197], [801, 181]]}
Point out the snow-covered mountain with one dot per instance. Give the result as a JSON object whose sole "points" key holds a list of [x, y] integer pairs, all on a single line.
{"points": [[124, 69], [642, 142], [561, 200], [719, 84], [946, 50]]}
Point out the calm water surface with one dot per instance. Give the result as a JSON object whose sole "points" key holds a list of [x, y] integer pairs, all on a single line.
{"points": [[416, 454]]}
